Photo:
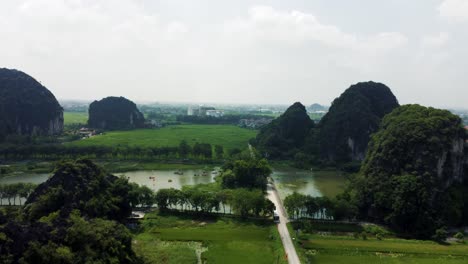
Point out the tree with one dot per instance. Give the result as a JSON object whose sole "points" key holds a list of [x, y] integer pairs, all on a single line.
{"points": [[184, 149], [219, 150], [248, 173]]}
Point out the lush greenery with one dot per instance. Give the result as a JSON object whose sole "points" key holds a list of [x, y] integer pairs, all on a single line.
{"points": [[246, 173], [223, 120], [230, 137], [27, 107], [74, 217], [411, 178], [11, 192], [284, 136], [340, 137], [305, 206], [180, 239], [169, 143], [205, 199], [75, 118], [113, 113], [345, 130], [353, 243]]}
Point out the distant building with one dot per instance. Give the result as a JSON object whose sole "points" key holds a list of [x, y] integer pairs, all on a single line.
{"points": [[152, 123], [205, 111], [214, 113], [85, 132]]}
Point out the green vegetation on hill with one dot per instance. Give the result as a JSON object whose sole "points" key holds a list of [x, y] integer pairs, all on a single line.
{"points": [[27, 107], [412, 175], [345, 130], [74, 217], [285, 135], [113, 113], [230, 137]]}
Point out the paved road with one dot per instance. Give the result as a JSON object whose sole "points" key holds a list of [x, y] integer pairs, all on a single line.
{"points": [[282, 228]]}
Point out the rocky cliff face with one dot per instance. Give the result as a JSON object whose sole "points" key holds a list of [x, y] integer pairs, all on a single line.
{"points": [[114, 113], [27, 107]]}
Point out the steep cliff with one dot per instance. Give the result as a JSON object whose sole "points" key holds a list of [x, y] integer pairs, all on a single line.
{"points": [[115, 113], [27, 107], [352, 118]]}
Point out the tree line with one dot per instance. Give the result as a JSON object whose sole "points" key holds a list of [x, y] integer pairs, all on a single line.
{"points": [[305, 206], [203, 198], [203, 151], [12, 192]]}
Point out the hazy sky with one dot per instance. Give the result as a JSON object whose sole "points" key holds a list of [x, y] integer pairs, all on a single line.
{"points": [[239, 51]]}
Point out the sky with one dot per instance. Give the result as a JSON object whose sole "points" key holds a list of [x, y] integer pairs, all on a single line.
{"points": [[242, 51]]}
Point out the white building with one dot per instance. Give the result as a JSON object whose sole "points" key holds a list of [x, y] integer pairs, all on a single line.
{"points": [[215, 113]]}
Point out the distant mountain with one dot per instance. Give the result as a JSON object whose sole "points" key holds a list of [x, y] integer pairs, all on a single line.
{"points": [[27, 107], [317, 108], [346, 128], [286, 134], [114, 113]]}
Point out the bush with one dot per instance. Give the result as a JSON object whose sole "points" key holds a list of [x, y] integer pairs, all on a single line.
{"points": [[460, 237], [440, 235], [364, 236]]}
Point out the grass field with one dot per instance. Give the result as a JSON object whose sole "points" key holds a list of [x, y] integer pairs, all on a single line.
{"points": [[177, 239], [329, 248], [75, 118], [227, 136]]}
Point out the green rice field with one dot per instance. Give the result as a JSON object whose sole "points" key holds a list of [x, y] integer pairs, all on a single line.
{"points": [[327, 248], [75, 118], [228, 136], [176, 239]]}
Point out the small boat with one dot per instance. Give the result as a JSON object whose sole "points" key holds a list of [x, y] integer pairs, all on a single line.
{"points": [[169, 180], [179, 172]]}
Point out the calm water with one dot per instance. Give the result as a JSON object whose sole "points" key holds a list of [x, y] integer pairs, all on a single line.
{"points": [[289, 181], [162, 178]]}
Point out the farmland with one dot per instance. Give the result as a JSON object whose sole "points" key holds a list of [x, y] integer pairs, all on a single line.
{"points": [[345, 247], [177, 239], [228, 136], [70, 118]]}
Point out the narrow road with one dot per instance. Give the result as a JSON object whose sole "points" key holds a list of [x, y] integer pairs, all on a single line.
{"points": [[282, 228]]}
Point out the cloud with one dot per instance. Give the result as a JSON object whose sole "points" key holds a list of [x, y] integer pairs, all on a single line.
{"points": [[266, 24], [454, 10]]}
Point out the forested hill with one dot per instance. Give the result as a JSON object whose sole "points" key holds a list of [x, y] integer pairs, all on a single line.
{"points": [[114, 113], [74, 217], [352, 118], [412, 178], [285, 135], [27, 107]]}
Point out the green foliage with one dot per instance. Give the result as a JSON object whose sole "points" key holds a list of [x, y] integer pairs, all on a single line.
{"points": [[354, 116], [84, 186], [113, 113], [246, 173], [228, 136], [440, 235], [285, 135], [74, 217], [408, 177]]}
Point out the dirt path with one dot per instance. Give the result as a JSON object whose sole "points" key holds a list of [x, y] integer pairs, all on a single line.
{"points": [[282, 228]]}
